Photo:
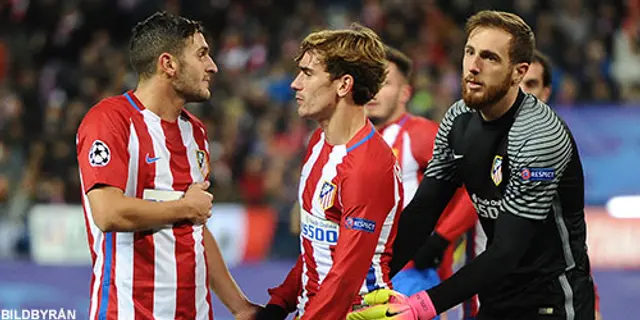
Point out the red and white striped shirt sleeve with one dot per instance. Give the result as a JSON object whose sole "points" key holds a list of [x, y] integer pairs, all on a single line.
{"points": [[102, 147]]}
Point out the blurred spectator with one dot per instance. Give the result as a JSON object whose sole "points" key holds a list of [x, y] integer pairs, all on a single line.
{"points": [[626, 53], [574, 20], [568, 93]]}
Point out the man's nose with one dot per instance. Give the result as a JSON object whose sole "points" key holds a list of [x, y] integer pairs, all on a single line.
{"points": [[295, 84]]}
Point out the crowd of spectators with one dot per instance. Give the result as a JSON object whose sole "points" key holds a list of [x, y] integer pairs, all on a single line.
{"points": [[58, 58]]}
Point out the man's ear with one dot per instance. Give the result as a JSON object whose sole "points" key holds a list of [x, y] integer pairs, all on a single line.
{"points": [[546, 94], [405, 93], [168, 64], [519, 71], [345, 85]]}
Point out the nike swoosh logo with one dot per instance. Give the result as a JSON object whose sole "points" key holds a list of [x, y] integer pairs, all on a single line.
{"points": [[391, 314], [151, 160], [458, 156]]}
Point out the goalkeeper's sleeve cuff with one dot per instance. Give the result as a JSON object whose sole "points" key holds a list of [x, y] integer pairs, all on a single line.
{"points": [[272, 312], [422, 306]]}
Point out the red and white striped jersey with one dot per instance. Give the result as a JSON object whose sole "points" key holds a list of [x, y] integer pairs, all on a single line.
{"points": [[154, 274], [411, 139], [350, 197]]}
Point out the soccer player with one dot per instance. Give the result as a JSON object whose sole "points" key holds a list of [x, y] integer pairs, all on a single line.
{"points": [[144, 171], [537, 82], [411, 138], [521, 167], [350, 193]]}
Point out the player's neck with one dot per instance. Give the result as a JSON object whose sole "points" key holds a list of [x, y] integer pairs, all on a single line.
{"points": [[160, 98], [501, 107], [343, 125]]}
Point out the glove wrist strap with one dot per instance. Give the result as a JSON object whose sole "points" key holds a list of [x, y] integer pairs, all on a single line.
{"points": [[422, 306]]}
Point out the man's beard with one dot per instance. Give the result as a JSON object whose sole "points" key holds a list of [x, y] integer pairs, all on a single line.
{"points": [[493, 94], [188, 91]]}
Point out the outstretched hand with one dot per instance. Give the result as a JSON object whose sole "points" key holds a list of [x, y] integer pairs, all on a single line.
{"points": [[248, 313]]}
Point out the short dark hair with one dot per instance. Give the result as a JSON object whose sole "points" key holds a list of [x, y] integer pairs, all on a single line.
{"points": [[401, 60], [357, 51], [159, 33], [544, 61], [522, 38]]}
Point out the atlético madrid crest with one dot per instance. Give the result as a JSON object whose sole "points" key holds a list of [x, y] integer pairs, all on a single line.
{"points": [[327, 195], [496, 170], [203, 162]]}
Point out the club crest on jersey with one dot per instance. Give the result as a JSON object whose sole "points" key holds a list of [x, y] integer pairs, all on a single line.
{"points": [[203, 163], [327, 195], [496, 170]]}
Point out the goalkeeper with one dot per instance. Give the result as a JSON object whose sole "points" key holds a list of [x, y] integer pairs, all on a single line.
{"points": [[521, 167]]}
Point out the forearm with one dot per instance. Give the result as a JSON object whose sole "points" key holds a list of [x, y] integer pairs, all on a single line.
{"points": [[286, 294], [335, 297], [342, 284], [418, 220], [220, 280], [113, 211], [513, 235], [352, 262], [459, 217]]}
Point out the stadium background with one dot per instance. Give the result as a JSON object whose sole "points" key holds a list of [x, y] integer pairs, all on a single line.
{"points": [[57, 58]]}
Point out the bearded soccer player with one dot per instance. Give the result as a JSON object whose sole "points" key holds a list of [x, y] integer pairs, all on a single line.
{"points": [[350, 193], [520, 164], [411, 138], [144, 172]]}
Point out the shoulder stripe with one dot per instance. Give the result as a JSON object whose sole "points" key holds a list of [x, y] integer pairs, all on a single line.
{"points": [[133, 103]]}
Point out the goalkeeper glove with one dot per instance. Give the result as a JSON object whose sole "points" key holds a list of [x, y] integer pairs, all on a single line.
{"points": [[393, 305], [431, 253]]}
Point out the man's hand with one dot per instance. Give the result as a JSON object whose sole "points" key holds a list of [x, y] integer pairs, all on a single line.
{"points": [[392, 305], [382, 296], [387, 304], [199, 201], [248, 313], [392, 311], [598, 315]]}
